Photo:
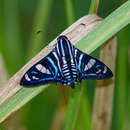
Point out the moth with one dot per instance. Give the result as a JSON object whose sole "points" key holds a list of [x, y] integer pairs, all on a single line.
{"points": [[67, 65]]}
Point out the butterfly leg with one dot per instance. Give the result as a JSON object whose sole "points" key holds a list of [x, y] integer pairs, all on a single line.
{"points": [[72, 85]]}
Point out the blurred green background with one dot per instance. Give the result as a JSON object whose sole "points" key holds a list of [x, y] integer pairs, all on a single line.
{"points": [[20, 22]]}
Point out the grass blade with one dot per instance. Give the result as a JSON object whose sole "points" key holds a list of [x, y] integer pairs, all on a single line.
{"points": [[40, 23], [69, 11], [121, 88], [109, 26], [73, 107], [94, 7], [18, 100], [12, 43], [84, 114]]}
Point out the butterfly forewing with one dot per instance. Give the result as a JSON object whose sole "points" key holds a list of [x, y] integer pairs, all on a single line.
{"points": [[43, 72]]}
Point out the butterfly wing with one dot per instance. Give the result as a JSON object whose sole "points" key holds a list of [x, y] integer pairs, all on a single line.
{"points": [[43, 72], [91, 68]]}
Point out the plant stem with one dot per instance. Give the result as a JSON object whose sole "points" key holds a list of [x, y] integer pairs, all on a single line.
{"points": [[73, 107], [69, 11], [120, 109], [94, 7], [103, 99]]}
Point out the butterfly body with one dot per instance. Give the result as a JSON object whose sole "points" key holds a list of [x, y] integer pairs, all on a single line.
{"points": [[66, 65]]}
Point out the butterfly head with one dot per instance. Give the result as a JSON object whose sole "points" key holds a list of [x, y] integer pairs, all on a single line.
{"points": [[62, 37]]}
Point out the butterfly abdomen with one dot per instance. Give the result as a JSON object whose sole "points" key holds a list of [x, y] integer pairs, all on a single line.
{"points": [[69, 72]]}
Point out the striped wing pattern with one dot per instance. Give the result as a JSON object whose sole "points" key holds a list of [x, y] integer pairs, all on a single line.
{"points": [[91, 68], [66, 65]]}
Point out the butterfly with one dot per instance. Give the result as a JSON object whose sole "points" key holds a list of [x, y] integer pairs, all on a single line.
{"points": [[67, 65]]}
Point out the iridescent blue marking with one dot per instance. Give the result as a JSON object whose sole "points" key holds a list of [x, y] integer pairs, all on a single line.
{"points": [[80, 58], [69, 49], [62, 47], [34, 72], [98, 66], [90, 74], [56, 70], [51, 70]]}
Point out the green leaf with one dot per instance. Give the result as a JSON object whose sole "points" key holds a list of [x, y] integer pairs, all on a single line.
{"points": [[109, 27], [69, 11], [18, 100], [72, 110], [10, 31], [40, 24], [121, 87]]}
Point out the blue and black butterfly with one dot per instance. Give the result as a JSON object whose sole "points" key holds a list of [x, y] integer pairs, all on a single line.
{"points": [[67, 65]]}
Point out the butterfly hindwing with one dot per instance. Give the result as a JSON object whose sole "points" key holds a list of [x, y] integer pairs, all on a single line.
{"points": [[91, 68], [43, 72]]}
